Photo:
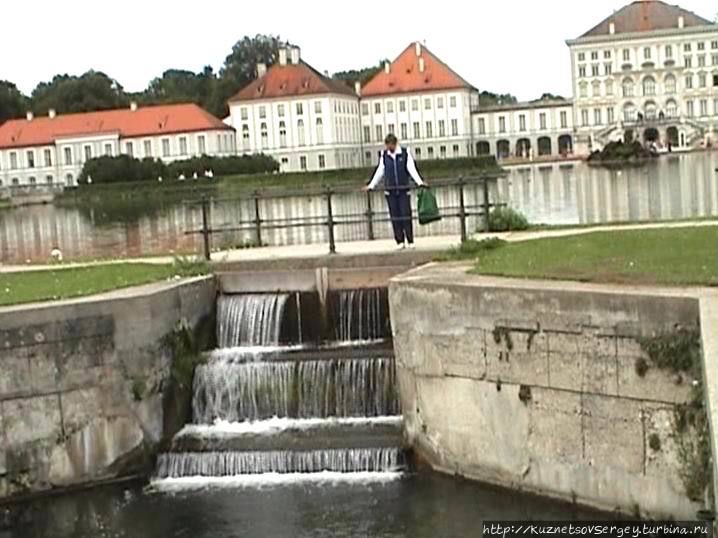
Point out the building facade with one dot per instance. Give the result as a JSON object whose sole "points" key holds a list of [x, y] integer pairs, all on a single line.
{"points": [[647, 72], [304, 119], [525, 130], [52, 150], [423, 102]]}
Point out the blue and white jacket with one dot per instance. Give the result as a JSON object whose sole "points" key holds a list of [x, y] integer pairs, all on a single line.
{"points": [[396, 168]]}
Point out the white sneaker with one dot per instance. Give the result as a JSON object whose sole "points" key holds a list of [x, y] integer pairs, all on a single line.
{"points": [[412, 246], [400, 247]]}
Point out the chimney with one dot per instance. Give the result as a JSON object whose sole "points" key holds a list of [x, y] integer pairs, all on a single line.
{"points": [[417, 47], [296, 55], [283, 56], [52, 113], [326, 73], [133, 106], [357, 88], [261, 70], [421, 65], [29, 115], [387, 67], [681, 22], [611, 28]]}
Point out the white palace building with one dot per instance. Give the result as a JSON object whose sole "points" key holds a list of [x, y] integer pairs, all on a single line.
{"points": [[648, 71]]}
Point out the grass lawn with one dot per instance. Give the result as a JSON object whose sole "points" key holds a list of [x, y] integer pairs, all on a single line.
{"points": [[44, 285], [668, 256]]}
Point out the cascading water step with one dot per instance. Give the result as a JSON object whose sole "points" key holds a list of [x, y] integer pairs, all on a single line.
{"points": [[250, 391], [217, 464], [290, 434]]}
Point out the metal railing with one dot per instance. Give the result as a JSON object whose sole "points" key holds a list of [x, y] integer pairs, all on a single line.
{"points": [[258, 225]]}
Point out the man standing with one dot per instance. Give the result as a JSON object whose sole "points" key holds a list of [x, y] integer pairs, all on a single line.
{"points": [[396, 167]]}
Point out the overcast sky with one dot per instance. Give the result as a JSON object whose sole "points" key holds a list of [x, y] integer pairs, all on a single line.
{"points": [[515, 46]]}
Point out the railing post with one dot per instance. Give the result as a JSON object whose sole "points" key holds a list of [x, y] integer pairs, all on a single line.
{"points": [[487, 205], [205, 228], [330, 222], [462, 210], [369, 217], [257, 221]]}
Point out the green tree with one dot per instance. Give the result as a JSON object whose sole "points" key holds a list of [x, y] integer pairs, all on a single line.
{"points": [[66, 93], [13, 104], [240, 66], [362, 75], [547, 96], [180, 86], [494, 99]]}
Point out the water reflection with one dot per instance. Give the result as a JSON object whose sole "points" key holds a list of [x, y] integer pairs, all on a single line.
{"points": [[426, 505], [673, 187]]}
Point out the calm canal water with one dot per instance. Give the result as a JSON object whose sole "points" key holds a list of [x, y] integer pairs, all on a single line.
{"points": [[672, 187], [423, 505]]}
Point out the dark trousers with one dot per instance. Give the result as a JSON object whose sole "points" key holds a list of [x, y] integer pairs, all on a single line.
{"points": [[400, 213]]}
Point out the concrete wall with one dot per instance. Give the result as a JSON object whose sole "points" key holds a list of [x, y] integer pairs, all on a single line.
{"points": [[82, 382], [534, 385]]}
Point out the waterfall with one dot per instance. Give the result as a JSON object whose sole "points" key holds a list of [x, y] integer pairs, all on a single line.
{"points": [[359, 315], [250, 319], [350, 460], [233, 391]]}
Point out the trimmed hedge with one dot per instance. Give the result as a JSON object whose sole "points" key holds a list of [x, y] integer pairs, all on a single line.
{"points": [[124, 168]]}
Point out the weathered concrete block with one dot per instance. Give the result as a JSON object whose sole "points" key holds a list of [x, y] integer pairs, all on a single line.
{"points": [[517, 357], [44, 374], [565, 361], [31, 419], [613, 432], [79, 407], [481, 440], [14, 376], [556, 426], [639, 378], [599, 374]]}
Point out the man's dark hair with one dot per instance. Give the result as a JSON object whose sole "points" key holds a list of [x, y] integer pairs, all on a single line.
{"points": [[390, 139]]}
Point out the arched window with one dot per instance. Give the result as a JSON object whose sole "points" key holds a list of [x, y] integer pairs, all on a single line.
{"points": [[627, 86], [670, 83], [629, 112], [33, 180], [245, 137], [282, 134], [609, 87], [649, 86], [583, 89], [596, 89], [320, 131], [69, 180], [671, 109], [49, 179], [263, 134], [300, 132], [15, 181], [650, 110]]}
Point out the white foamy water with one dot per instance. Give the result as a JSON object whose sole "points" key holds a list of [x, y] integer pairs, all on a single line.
{"points": [[271, 479], [276, 424]]}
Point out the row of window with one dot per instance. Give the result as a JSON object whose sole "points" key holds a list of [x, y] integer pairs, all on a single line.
{"points": [[650, 112], [224, 144], [49, 180], [596, 71], [649, 86], [543, 123], [340, 107], [416, 132], [402, 104], [648, 51], [345, 131]]}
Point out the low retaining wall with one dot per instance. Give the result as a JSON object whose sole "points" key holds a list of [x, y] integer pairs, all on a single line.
{"points": [[82, 382], [548, 386]]}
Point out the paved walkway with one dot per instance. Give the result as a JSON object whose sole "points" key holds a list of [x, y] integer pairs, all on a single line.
{"points": [[381, 246]]}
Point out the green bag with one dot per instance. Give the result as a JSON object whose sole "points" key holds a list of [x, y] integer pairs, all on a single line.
{"points": [[427, 206]]}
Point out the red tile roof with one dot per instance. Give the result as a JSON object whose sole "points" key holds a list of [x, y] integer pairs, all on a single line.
{"points": [[405, 75], [646, 16], [145, 121], [290, 80]]}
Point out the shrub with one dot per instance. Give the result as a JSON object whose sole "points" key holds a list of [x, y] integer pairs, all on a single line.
{"points": [[108, 169], [505, 219], [223, 166]]}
